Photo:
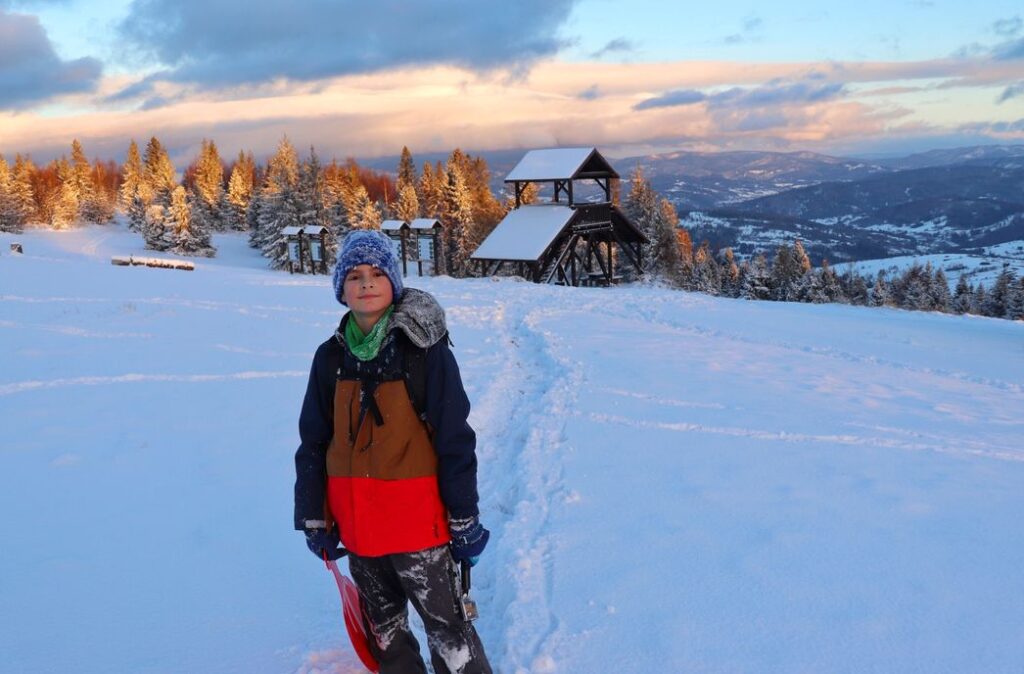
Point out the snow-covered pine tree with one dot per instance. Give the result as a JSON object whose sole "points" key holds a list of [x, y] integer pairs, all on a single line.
{"points": [[979, 301], [730, 274], [131, 177], [1015, 303], [156, 226], [208, 188], [881, 291], [961, 303], [810, 288], [158, 174], [641, 208], [830, 286], [191, 237], [406, 171], [64, 209], [431, 190], [941, 299], [10, 214], [21, 189], [997, 299], [706, 272], [311, 200], [407, 208], [457, 217], [89, 208], [786, 274], [756, 279], [240, 191], [855, 286], [279, 206]]}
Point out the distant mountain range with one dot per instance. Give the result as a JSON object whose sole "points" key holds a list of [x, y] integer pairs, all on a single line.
{"points": [[935, 202]]}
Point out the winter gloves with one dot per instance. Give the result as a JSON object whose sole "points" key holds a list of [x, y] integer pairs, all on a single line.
{"points": [[325, 543], [469, 538]]}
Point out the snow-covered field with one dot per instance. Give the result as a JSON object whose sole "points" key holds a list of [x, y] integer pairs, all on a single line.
{"points": [[982, 268], [675, 483]]}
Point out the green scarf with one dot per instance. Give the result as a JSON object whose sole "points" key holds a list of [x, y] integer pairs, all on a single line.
{"points": [[366, 347]]}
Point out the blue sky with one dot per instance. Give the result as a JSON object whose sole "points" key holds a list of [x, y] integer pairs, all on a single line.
{"points": [[359, 78]]}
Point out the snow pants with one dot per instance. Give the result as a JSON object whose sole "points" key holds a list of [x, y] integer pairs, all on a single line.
{"points": [[429, 580]]}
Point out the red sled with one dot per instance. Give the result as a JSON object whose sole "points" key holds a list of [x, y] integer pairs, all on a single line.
{"points": [[352, 610]]}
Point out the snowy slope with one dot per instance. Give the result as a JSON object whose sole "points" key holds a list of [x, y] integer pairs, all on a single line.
{"points": [[675, 483]]}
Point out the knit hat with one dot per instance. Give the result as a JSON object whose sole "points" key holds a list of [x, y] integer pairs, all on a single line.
{"points": [[367, 246]]}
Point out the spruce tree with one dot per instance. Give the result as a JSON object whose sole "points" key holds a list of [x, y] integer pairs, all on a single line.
{"points": [[406, 171], [979, 302], [158, 174], [1015, 303], [191, 237], [831, 289], [131, 177], [240, 191], [998, 297], [21, 189], [786, 274], [407, 208], [961, 303], [940, 297], [706, 272], [881, 291], [756, 279], [279, 206], [208, 188], [457, 217], [730, 274], [311, 201], [10, 216], [64, 209], [89, 207]]}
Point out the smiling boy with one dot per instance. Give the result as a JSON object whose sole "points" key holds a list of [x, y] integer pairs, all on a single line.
{"points": [[392, 483]]}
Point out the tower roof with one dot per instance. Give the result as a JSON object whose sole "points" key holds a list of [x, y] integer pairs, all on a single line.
{"points": [[561, 164]]}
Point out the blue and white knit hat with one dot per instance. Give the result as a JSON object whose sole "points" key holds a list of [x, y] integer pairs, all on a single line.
{"points": [[367, 246]]}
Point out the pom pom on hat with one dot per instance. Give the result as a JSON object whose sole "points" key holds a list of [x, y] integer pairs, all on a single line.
{"points": [[367, 246]]}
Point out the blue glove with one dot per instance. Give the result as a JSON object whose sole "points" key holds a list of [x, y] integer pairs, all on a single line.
{"points": [[469, 538], [323, 542]]}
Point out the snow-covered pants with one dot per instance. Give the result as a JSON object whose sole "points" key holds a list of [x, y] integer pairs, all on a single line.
{"points": [[428, 579]]}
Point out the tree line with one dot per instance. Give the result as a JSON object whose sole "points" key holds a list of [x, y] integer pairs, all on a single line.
{"points": [[788, 275]]}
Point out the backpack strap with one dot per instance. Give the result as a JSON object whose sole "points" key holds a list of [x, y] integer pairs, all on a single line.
{"points": [[415, 369]]}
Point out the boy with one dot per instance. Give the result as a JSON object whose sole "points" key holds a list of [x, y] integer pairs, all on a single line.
{"points": [[393, 484]]}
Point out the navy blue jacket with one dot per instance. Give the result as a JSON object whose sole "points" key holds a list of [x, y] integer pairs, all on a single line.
{"points": [[446, 411]]}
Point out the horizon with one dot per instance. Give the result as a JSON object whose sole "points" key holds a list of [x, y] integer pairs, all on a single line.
{"points": [[876, 80]]}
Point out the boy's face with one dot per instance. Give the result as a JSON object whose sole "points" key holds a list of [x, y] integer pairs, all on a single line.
{"points": [[367, 291]]}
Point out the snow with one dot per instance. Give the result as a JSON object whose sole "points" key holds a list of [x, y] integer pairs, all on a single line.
{"points": [[525, 233], [392, 225], [551, 164], [423, 223], [982, 268], [674, 482]]}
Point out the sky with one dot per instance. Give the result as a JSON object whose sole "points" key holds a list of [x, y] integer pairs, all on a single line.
{"points": [[364, 79]]}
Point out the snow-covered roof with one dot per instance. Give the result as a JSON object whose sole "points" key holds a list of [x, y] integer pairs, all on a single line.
{"points": [[308, 229], [392, 225], [525, 233], [423, 223], [552, 164]]}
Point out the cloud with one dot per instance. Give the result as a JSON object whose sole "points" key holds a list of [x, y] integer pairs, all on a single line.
{"points": [[1012, 91], [1008, 27], [619, 44], [746, 33], [591, 93], [775, 92], [1016, 127], [226, 42], [1009, 50], [31, 71], [672, 99]]}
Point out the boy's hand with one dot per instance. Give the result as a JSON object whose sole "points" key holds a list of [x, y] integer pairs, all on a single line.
{"points": [[469, 538], [323, 542]]}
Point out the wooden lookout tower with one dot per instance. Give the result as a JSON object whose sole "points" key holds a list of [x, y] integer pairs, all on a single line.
{"points": [[565, 241]]}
